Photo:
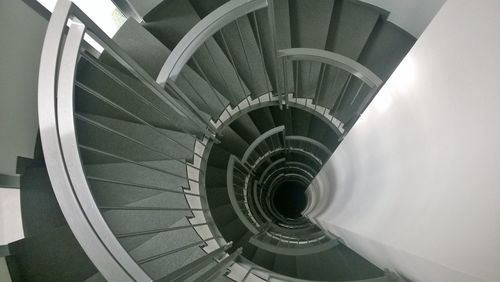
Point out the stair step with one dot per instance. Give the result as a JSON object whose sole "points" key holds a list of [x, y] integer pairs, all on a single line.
{"points": [[243, 240], [218, 157], [135, 174], [242, 47], [386, 47], [310, 21], [133, 140], [40, 210], [170, 21], [245, 128], [282, 117], [351, 26], [223, 215], [40, 258], [301, 120], [263, 119], [264, 258], [217, 196], [285, 265], [233, 231], [284, 38], [233, 143], [133, 102], [133, 38], [126, 221], [215, 177], [310, 267], [164, 242]]}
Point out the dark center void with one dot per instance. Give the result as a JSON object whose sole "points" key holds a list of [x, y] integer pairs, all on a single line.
{"points": [[290, 199]]}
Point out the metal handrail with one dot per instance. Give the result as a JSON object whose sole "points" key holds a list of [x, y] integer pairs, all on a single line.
{"points": [[299, 247], [311, 141], [59, 60], [333, 59], [347, 64], [260, 140], [201, 32], [233, 160], [56, 75]]}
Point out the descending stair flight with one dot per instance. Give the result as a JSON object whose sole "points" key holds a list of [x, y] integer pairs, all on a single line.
{"points": [[174, 145]]}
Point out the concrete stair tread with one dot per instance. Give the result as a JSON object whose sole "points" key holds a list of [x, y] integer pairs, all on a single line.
{"points": [[133, 102], [233, 143], [216, 177], [124, 221], [243, 49], [307, 16], [134, 38], [285, 265], [217, 196], [240, 45], [263, 119], [128, 172], [264, 258], [233, 231], [170, 21], [218, 157], [164, 242], [223, 215], [351, 26], [157, 144]]}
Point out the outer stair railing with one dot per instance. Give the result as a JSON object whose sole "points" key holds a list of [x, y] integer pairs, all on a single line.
{"points": [[63, 49]]}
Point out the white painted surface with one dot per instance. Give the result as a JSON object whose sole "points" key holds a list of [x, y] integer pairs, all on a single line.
{"points": [[21, 30], [11, 226], [411, 15], [415, 186], [4, 271]]}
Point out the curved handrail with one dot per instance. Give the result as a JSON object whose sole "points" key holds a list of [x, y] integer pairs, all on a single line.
{"points": [[310, 141], [201, 32], [259, 140], [293, 150], [233, 160], [269, 167], [334, 59], [62, 158], [281, 169], [300, 249]]}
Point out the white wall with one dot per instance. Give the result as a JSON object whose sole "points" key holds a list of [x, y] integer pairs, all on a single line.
{"points": [[11, 226], [4, 271], [411, 15], [415, 186], [21, 33]]}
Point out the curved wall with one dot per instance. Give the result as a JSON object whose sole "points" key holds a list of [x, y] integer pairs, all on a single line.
{"points": [[415, 186]]}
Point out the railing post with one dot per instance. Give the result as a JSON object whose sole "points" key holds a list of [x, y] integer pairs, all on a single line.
{"points": [[211, 274], [190, 269]]}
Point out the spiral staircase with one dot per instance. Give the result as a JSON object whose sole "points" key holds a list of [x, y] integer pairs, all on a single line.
{"points": [[171, 154]]}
